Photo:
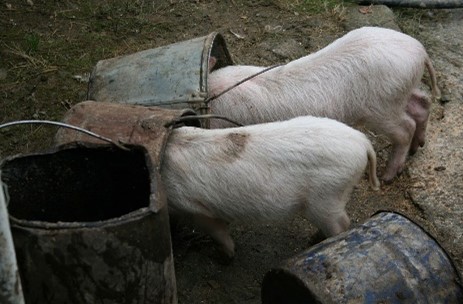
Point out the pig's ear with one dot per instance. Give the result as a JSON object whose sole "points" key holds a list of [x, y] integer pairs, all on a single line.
{"points": [[212, 62]]}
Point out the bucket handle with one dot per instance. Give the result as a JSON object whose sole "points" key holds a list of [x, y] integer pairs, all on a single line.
{"points": [[196, 117], [242, 81], [64, 125]]}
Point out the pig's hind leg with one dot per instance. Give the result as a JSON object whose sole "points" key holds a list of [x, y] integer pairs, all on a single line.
{"points": [[418, 109], [401, 133], [329, 216]]}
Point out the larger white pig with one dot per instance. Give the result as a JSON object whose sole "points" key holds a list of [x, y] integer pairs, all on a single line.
{"points": [[368, 77], [266, 172]]}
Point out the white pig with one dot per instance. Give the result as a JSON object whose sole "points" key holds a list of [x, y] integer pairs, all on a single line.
{"points": [[266, 172], [368, 77]]}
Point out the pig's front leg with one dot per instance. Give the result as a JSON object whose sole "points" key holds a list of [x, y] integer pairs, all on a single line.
{"points": [[218, 230], [418, 109]]}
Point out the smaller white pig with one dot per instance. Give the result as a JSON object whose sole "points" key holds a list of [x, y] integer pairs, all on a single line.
{"points": [[266, 172], [368, 77]]}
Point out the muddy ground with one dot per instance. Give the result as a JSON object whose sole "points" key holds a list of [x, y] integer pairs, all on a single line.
{"points": [[49, 48]]}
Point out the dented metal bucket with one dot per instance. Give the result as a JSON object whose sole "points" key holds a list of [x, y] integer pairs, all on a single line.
{"points": [[90, 225], [90, 221], [389, 259], [173, 76]]}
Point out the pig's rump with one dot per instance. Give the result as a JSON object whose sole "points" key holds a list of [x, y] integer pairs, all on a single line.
{"points": [[369, 77]]}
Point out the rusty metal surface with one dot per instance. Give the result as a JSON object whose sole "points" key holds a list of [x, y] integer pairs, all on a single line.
{"points": [[172, 76], [416, 3], [10, 283], [389, 259], [132, 124], [90, 220], [90, 225]]}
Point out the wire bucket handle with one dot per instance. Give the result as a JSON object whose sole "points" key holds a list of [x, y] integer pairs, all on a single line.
{"points": [[64, 125]]}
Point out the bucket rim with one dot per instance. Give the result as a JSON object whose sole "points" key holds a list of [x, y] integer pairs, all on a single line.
{"points": [[115, 221]]}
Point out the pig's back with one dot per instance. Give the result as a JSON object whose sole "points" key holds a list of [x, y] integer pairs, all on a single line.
{"points": [[261, 171]]}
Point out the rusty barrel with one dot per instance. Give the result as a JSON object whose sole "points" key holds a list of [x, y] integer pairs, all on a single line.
{"points": [[90, 225], [388, 259]]}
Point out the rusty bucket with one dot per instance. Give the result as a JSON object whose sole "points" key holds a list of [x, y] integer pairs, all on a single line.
{"points": [[90, 221], [389, 259], [172, 76], [90, 225]]}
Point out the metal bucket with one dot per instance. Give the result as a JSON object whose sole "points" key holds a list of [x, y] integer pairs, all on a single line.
{"points": [[10, 283], [173, 76], [389, 259], [90, 225], [90, 221]]}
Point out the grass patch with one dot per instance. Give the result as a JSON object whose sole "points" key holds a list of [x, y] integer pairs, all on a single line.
{"points": [[317, 6], [408, 19], [31, 43]]}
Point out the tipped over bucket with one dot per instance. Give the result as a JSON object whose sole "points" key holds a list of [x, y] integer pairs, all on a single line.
{"points": [[389, 259], [90, 225]]}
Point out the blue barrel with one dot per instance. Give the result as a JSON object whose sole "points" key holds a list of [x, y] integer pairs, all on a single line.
{"points": [[389, 259]]}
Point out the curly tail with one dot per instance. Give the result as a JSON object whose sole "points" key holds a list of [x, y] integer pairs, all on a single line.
{"points": [[432, 73], [373, 178]]}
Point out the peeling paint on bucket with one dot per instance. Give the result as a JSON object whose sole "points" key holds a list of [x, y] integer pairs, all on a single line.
{"points": [[389, 259]]}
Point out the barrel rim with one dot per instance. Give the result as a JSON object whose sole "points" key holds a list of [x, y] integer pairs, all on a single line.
{"points": [[459, 276]]}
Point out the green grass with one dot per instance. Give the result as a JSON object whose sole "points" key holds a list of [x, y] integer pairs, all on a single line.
{"points": [[31, 43]]}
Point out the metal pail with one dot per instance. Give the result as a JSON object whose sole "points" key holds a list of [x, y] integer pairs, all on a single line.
{"points": [[10, 283], [90, 225], [389, 259], [173, 76]]}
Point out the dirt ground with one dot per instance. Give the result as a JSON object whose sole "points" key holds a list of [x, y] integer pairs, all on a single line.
{"points": [[48, 49]]}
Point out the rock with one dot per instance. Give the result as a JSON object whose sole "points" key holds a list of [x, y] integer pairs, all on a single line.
{"points": [[444, 99], [417, 3], [278, 50], [373, 15]]}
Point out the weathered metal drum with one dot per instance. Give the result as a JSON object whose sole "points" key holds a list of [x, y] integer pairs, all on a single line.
{"points": [[90, 225], [389, 259], [173, 76]]}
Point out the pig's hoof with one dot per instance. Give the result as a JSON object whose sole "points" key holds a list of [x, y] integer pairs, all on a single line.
{"points": [[392, 172], [413, 149], [387, 178]]}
